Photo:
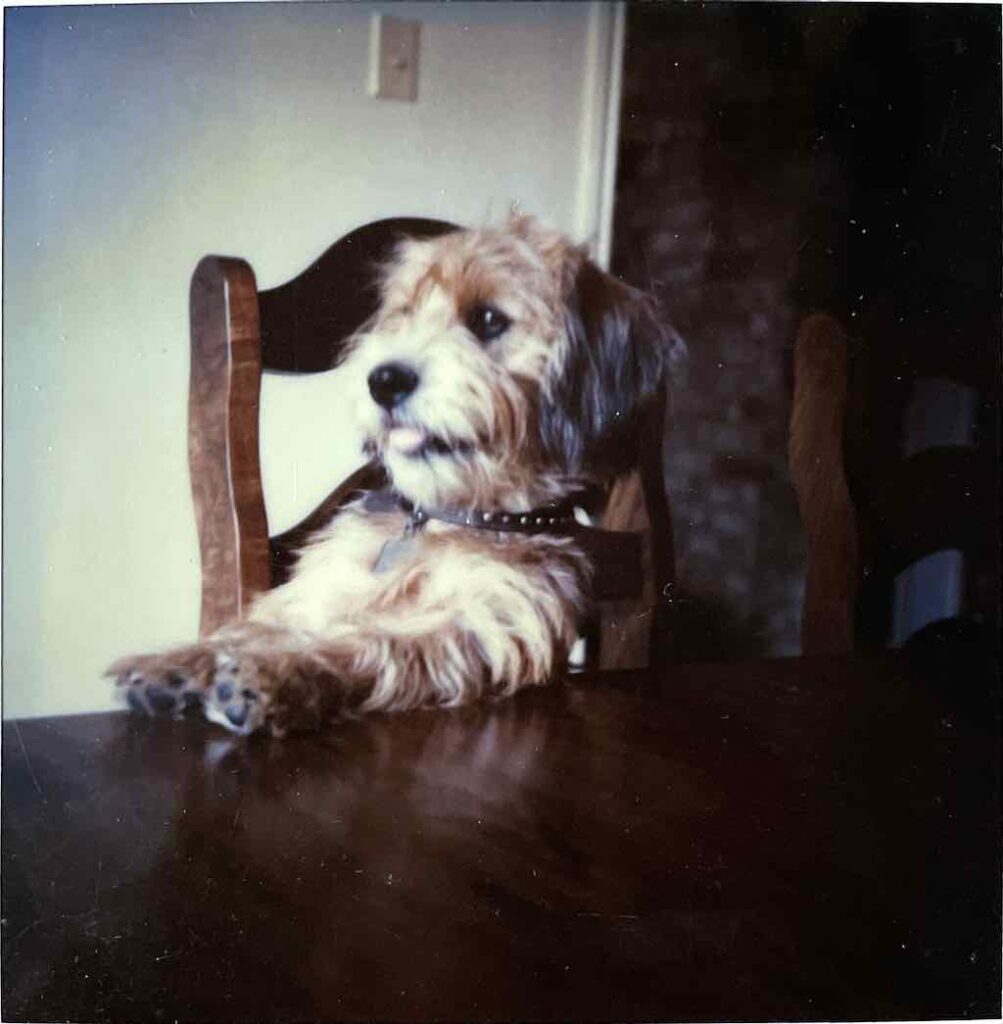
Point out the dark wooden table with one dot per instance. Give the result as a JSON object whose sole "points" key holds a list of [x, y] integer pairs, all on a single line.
{"points": [[793, 839]]}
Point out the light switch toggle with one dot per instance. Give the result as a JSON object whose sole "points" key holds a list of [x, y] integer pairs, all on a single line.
{"points": [[393, 58]]}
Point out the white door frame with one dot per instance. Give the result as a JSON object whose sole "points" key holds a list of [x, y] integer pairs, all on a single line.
{"points": [[602, 87]]}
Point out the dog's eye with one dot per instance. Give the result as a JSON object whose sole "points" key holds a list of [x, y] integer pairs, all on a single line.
{"points": [[487, 323]]}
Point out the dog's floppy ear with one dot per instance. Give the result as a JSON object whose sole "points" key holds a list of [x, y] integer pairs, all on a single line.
{"points": [[617, 355]]}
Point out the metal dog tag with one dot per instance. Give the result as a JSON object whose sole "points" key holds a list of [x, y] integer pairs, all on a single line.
{"points": [[393, 552]]}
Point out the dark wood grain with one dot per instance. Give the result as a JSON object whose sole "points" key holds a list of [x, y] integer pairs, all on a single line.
{"points": [[811, 839], [817, 461], [224, 389]]}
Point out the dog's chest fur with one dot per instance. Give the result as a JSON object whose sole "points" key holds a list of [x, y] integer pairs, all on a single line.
{"points": [[372, 564]]}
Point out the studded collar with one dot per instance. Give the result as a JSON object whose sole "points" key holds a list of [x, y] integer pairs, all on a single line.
{"points": [[556, 518]]}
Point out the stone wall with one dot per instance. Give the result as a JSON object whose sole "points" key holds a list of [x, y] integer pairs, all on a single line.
{"points": [[708, 205]]}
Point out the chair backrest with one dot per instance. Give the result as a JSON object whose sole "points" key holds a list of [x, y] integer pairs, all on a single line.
{"points": [[874, 500], [238, 332]]}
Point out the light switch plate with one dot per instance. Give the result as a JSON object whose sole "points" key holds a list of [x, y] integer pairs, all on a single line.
{"points": [[393, 58]]}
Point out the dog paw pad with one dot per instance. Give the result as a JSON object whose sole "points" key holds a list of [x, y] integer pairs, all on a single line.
{"points": [[236, 707], [241, 713], [158, 692]]}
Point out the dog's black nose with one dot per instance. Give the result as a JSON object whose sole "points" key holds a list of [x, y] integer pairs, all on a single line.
{"points": [[391, 383]]}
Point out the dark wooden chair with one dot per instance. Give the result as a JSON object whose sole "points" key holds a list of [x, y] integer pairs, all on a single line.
{"points": [[238, 332], [817, 465], [870, 507]]}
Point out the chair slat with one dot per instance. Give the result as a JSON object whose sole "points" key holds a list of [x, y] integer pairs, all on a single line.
{"points": [[305, 322]]}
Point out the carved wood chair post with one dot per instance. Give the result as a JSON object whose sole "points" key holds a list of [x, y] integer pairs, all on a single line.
{"points": [[662, 572], [816, 454], [636, 631], [223, 403]]}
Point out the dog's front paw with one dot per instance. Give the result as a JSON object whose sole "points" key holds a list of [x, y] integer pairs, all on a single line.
{"points": [[163, 684], [234, 700]]}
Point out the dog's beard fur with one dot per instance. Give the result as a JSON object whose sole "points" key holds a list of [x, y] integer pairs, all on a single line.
{"points": [[530, 416]]}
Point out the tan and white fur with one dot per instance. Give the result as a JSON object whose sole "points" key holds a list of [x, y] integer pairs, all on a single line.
{"points": [[502, 371]]}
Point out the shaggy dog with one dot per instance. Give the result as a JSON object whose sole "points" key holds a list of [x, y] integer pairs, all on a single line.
{"points": [[503, 373]]}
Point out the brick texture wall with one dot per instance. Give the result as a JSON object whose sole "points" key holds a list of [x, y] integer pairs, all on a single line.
{"points": [[709, 203]]}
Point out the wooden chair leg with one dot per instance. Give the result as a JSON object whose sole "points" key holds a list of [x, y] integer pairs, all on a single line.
{"points": [[638, 633], [661, 545], [624, 627], [224, 390]]}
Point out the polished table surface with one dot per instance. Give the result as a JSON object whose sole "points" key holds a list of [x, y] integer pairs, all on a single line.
{"points": [[801, 839]]}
